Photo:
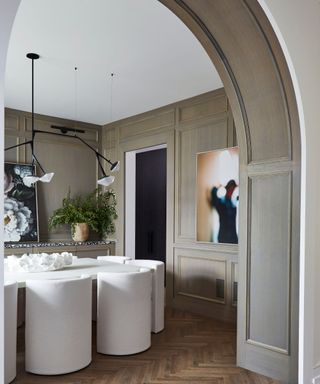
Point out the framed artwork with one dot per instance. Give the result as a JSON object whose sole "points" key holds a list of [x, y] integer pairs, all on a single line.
{"points": [[20, 204], [218, 196]]}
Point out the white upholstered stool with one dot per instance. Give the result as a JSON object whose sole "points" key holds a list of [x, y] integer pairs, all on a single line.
{"points": [[10, 330], [114, 259], [124, 312], [158, 291], [58, 325]]}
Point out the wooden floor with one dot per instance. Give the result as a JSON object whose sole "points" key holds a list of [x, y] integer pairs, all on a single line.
{"points": [[192, 349]]}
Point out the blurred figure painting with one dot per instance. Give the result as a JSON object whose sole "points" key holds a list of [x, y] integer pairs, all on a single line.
{"points": [[218, 196]]}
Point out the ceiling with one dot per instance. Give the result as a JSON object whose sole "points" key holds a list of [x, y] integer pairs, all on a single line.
{"points": [[155, 58]]}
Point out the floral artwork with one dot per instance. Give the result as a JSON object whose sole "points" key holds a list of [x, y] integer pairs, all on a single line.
{"points": [[20, 204], [218, 196]]}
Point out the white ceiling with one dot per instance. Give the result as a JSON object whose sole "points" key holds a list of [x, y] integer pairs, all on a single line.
{"points": [[155, 58]]}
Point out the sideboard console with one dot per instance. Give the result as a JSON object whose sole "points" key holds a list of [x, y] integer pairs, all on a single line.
{"points": [[80, 249]]}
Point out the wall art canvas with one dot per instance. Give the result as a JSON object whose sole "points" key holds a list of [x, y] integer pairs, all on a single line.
{"points": [[218, 196], [20, 204]]}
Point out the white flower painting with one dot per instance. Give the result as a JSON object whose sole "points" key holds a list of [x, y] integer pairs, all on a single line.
{"points": [[20, 205], [17, 219]]}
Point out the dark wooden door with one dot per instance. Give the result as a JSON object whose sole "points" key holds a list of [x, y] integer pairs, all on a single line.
{"points": [[151, 190]]}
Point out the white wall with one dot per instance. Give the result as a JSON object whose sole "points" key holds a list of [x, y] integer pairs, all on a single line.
{"points": [[8, 9], [297, 24]]}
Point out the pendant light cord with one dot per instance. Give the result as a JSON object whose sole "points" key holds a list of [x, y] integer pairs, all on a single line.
{"points": [[32, 113], [76, 93], [111, 96]]}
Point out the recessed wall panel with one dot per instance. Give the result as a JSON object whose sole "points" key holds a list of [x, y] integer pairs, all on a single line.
{"points": [[201, 277], [203, 109], [13, 154], [75, 169], [186, 182], [269, 260]]}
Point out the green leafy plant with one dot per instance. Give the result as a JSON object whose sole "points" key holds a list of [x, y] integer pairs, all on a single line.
{"points": [[104, 203], [74, 210], [97, 209]]}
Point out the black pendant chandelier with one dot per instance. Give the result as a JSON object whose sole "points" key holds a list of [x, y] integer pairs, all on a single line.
{"points": [[105, 180]]}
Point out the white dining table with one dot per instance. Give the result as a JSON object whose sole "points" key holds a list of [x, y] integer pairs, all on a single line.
{"points": [[81, 266]]}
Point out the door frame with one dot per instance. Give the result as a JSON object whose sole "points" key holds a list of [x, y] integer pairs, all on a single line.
{"points": [[139, 143]]}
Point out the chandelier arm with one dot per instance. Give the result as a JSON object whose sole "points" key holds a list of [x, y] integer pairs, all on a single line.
{"points": [[100, 166], [34, 157], [94, 150], [18, 145], [74, 137], [104, 158]]}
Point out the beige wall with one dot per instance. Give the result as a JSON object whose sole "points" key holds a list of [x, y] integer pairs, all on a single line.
{"points": [[74, 165], [195, 270]]}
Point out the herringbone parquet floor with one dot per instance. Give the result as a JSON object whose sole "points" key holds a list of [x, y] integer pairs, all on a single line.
{"points": [[192, 350]]}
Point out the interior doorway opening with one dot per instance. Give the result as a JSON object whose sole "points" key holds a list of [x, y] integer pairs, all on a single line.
{"points": [[145, 203]]}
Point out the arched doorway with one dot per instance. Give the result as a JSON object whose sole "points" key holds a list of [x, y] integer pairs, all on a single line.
{"points": [[244, 49], [239, 40]]}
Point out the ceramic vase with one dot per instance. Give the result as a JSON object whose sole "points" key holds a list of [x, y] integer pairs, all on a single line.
{"points": [[80, 232]]}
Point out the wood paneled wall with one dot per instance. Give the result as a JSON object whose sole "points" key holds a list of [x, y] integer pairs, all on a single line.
{"points": [[74, 165], [201, 277]]}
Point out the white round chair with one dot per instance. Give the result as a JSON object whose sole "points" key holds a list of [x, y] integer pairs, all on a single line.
{"points": [[58, 325], [10, 331], [124, 312], [114, 259], [158, 291]]}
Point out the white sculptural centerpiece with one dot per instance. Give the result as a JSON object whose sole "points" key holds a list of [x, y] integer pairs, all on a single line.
{"points": [[39, 262]]}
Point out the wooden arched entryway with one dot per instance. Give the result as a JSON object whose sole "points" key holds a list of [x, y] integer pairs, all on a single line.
{"points": [[242, 45]]}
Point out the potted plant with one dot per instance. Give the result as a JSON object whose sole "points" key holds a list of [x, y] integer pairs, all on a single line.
{"points": [[78, 213], [104, 204]]}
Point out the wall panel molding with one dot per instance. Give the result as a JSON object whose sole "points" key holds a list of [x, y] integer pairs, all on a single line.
{"points": [[229, 249]]}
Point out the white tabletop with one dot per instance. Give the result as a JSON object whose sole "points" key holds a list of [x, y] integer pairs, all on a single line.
{"points": [[82, 266]]}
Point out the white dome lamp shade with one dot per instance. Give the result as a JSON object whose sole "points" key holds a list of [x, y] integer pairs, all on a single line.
{"points": [[32, 179], [29, 180], [115, 167], [105, 180]]}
